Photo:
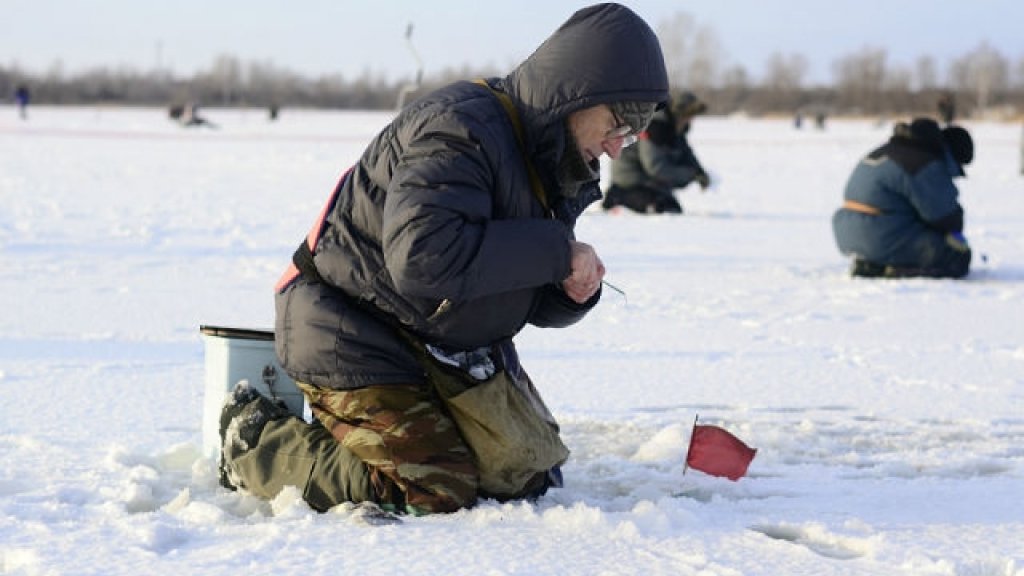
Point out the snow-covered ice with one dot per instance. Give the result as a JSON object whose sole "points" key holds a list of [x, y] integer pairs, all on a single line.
{"points": [[888, 415]]}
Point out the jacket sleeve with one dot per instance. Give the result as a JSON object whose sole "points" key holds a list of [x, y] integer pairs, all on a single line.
{"points": [[934, 196], [687, 154], [556, 310], [952, 222], [439, 238], [665, 165]]}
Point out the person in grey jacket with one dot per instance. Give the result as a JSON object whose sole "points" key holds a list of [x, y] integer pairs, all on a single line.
{"points": [[645, 176], [901, 216], [452, 232]]}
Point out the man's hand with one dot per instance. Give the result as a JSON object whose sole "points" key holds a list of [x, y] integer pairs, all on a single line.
{"points": [[587, 272]]}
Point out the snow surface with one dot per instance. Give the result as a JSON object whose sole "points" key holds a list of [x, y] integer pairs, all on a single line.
{"points": [[887, 414]]}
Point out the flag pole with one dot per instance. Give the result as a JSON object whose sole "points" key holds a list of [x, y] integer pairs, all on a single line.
{"points": [[686, 461]]}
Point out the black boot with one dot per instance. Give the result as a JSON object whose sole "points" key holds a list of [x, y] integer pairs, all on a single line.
{"points": [[866, 269], [907, 272], [609, 201], [242, 419]]}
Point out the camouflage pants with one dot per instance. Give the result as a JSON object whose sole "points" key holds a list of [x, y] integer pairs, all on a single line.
{"points": [[416, 459]]}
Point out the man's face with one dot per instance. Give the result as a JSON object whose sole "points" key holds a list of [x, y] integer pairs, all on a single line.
{"points": [[597, 131]]}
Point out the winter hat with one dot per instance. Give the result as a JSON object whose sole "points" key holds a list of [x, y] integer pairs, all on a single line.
{"points": [[636, 114], [687, 105], [927, 131], [960, 144]]}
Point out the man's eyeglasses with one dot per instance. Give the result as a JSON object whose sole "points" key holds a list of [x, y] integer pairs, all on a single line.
{"points": [[621, 130]]}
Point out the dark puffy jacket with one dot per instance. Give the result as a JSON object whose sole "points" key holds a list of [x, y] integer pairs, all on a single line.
{"points": [[909, 180], [661, 160], [437, 227]]}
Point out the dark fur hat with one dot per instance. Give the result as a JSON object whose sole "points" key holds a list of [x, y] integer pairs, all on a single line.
{"points": [[960, 144], [687, 105]]}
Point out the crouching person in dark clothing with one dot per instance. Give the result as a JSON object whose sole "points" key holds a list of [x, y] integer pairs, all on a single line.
{"points": [[452, 232], [900, 216], [645, 176]]}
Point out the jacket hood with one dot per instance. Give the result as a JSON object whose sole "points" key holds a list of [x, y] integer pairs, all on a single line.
{"points": [[926, 135], [602, 54]]}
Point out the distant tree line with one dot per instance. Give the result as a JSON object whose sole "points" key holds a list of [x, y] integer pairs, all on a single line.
{"points": [[865, 83], [227, 82], [982, 82]]}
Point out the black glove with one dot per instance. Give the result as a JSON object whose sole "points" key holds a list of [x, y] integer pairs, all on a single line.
{"points": [[704, 180]]}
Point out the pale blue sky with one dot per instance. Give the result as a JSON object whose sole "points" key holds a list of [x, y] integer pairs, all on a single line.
{"points": [[317, 37]]}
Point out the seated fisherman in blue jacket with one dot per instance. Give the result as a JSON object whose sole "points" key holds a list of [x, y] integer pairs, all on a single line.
{"points": [[900, 216]]}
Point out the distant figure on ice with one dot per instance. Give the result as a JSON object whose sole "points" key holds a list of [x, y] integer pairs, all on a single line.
{"points": [[452, 232], [22, 98], [188, 115], [645, 176], [900, 216], [819, 119], [946, 106]]}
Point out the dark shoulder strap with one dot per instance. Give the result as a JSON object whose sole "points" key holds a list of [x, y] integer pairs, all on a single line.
{"points": [[517, 125], [303, 260]]}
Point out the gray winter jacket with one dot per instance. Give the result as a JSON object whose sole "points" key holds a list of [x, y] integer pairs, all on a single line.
{"points": [[661, 160], [437, 228]]}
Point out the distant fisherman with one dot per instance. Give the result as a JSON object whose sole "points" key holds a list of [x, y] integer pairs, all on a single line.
{"points": [[646, 176], [901, 216], [22, 98]]}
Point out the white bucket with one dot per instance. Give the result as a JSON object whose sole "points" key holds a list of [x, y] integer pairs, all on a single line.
{"points": [[235, 354]]}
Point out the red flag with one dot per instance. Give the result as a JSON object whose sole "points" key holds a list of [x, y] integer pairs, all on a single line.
{"points": [[715, 451]]}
